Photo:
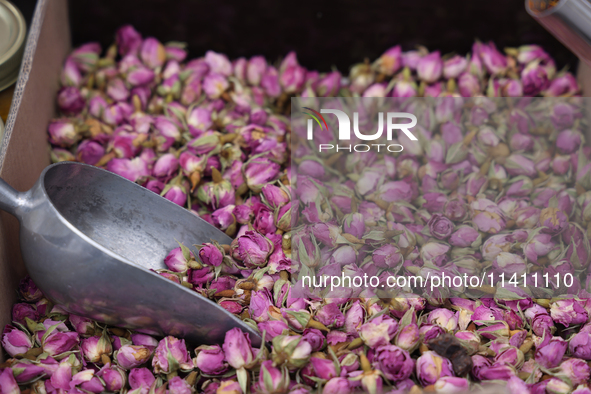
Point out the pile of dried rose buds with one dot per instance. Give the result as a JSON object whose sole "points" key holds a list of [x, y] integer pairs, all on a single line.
{"points": [[211, 134]]}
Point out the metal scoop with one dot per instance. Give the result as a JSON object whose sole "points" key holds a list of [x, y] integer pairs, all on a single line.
{"points": [[89, 239]]}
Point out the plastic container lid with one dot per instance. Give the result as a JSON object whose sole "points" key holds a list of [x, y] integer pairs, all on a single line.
{"points": [[13, 30]]}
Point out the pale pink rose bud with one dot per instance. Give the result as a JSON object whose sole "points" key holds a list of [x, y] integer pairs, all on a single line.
{"points": [[563, 85], [171, 355], [15, 341], [215, 85], [329, 85], [71, 75], [90, 152], [270, 82], [493, 60], [390, 61], [94, 347], [152, 53], [59, 342], [128, 40], [132, 356], [430, 67], [237, 348], [534, 78], [255, 70], [70, 100], [454, 66], [211, 360], [218, 63], [134, 169]]}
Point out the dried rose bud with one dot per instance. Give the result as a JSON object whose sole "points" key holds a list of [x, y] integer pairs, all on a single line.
{"points": [[132, 356], [452, 384], [176, 261], [258, 172], [430, 367], [291, 351], [210, 254], [210, 360], [539, 245], [252, 248], [378, 332], [440, 226], [337, 385], [237, 348], [554, 220], [576, 370], [512, 88], [134, 169], [324, 368], [270, 82], [15, 341], [214, 85], [389, 62], [487, 216], [171, 355], [165, 166], [568, 311], [274, 328], [141, 378], [550, 355], [387, 256], [568, 141], [177, 385], [534, 78], [469, 85], [152, 53], [430, 67], [562, 85], [329, 85], [493, 60], [542, 323], [94, 347], [70, 100], [23, 310], [464, 237], [62, 132], [255, 70], [509, 263], [218, 63], [454, 66], [229, 387], [87, 382], [59, 342]]}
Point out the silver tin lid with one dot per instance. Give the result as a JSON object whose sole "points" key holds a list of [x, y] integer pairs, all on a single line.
{"points": [[13, 30]]}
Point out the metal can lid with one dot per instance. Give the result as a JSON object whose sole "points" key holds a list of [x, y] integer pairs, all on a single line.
{"points": [[13, 30]]}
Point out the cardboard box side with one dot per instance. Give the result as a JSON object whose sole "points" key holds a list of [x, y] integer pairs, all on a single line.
{"points": [[25, 150]]}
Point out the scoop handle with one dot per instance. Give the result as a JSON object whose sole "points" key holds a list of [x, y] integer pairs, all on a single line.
{"points": [[10, 199]]}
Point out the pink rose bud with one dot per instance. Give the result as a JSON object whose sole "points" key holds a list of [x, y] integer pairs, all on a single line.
{"points": [[378, 331], [493, 60], [329, 85], [211, 360], [260, 301], [538, 246], [23, 310], [117, 90], [113, 376], [512, 88], [15, 341], [134, 169], [62, 376], [218, 193], [430, 67], [59, 342], [272, 379], [260, 171], [144, 340], [94, 347], [534, 78], [275, 196], [171, 354], [237, 348], [229, 387], [25, 372], [542, 323], [128, 40], [464, 236], [152, 53], [404, 88], [395, 363], [63, 133], [568, 311], [487, 216], [337, 386], [440, 226], [70, 100], [177, 385], [324, 368], [510, 355], [86, 56], [291, 74], [577, 370], [431, 367], [273, 328], [71, 75], [141, 378], [568, 141], [554, 220], [331, 316], [214, 85], [291, 350], [390, 61], [132, 356], [563, 85], [82, 325], [218, 63], [444, 318], [454, 66], [354, 224], [387, 256], [90, 152], [87, 382], [140, 75], [209, 254], [509, 263], [270, 82], [255, 70], [165, 166], [176, 261], [550, 355], [469, 85], [252, 248], [451, 384], [408, 337]]}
